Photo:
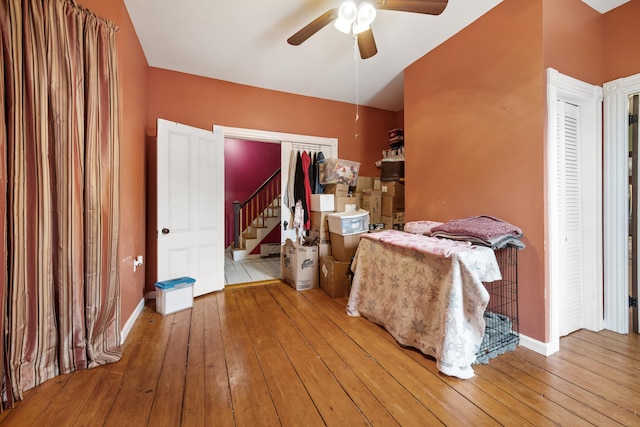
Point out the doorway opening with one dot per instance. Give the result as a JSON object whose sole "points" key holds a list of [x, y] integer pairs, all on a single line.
{"points": [[287, 142], [634, 109]]}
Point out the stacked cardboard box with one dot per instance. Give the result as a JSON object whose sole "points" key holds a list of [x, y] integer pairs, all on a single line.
{"points": [[335, 279], [300, 265], [372, 202], [343, 199], [392, 204]]}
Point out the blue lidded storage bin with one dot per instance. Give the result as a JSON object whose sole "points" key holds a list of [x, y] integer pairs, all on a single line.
{"points": [[174, 295]]}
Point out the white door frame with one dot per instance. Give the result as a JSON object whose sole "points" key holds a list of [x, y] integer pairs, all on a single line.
{"points": [[589, 99], [222, 132], [616, 196]]}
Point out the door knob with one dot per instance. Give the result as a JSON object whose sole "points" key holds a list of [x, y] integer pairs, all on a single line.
{"points": [[165, 231]]}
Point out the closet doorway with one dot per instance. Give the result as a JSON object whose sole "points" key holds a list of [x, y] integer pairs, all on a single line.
{"points": [[621, 202], [574, 188], [634, 208], [288, 144]]}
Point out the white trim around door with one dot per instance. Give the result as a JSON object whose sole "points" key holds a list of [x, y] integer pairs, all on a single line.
{"points": [[616, 201], [588, 100]]}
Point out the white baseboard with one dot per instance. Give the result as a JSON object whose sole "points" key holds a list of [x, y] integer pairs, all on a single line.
{"points": [[131, 321], [545, 349]]}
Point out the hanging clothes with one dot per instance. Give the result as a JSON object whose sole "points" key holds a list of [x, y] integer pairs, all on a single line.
{"points": [[298, 185], [298, 221], [312, 173], [306, 165], [318, 188], [289, 200]]}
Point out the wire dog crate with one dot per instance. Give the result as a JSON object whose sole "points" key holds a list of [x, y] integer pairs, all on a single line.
{"points": [[501, 316]]}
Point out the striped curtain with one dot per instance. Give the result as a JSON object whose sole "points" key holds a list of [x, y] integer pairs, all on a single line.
{"points": [[59, 192]]}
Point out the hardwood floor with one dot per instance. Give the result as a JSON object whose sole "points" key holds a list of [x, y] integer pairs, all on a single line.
{"points": [[267, 355]]}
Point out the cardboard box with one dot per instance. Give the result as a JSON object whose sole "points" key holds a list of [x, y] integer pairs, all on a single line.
{"points": [[392, 188], [300, 265], [174, 295], [320, 220], [349, 222], [372, 202], [322, 236], [322, 203], [364, 183], [391, 205], [337, 189], [344, 247], [394, 222], [344, 204], [324, 249], [334, 277]]}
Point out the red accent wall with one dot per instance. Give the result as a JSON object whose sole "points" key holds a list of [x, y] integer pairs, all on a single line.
{"points": [[247, 164]]}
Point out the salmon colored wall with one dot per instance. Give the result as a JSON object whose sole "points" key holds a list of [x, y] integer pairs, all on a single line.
{"points": [[575, 46], [202, 102], [133, 69], [474, 122], [621, 41]]}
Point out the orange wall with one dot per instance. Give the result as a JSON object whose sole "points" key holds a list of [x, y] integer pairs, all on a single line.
{"points": [[474, 125], [574, 47], [202, 102], [133, 69], [621, 41], [479, 102]]}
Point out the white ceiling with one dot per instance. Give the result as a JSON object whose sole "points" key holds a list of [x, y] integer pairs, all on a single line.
{"points": [[245, 41]]}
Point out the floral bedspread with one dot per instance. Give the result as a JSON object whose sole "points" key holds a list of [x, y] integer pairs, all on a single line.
{"points": [[428, 298]]}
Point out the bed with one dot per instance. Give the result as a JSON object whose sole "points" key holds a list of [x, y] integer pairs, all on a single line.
{"points": [[427, 292]]}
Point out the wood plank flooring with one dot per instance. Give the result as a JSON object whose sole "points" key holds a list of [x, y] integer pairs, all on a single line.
{"points": [[267, 356]]}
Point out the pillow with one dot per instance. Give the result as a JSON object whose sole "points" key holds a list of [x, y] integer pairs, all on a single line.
{"points": [[421, 227]]}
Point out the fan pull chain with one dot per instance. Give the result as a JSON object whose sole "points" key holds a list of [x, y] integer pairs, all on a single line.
{"points": [[355, 58]]}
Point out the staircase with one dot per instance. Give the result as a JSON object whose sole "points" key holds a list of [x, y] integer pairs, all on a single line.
{"points": [[255, 218], [257, 230]]}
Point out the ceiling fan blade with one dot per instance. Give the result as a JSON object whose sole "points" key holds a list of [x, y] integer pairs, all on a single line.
{"points": [[313, 27], [428, 7], [367, 44]]}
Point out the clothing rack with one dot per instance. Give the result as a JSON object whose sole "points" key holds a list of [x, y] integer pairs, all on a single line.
{"points": [[305, 147]]}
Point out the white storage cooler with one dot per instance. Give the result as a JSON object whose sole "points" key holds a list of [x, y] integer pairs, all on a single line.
{"points": [[174, 295]]}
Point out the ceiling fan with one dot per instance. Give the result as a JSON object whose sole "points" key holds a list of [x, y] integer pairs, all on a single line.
{"points": [[357, 19]]}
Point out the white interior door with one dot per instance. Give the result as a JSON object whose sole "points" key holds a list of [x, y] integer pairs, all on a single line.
{"points": [[574, 211], [286, 151], [190, 205], [569, 218]]}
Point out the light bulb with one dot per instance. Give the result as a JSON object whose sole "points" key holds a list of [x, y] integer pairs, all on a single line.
{"points": [[366, 13], [342, 25], [348, 11]]}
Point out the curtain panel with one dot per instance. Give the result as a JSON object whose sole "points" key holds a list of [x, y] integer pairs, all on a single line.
{"points": [[59, 176]]}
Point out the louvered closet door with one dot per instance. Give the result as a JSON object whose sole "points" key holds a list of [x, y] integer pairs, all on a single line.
{"points": [[569, 216]]}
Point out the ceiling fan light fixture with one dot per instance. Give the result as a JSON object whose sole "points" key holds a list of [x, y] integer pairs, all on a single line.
{"points": [[366, 13], [359, 27], [342, 25], [348, 11]]}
